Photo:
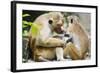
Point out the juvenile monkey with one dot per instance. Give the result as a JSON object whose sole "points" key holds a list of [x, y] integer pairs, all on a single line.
{"points": [[44, 46], [80, 37]]}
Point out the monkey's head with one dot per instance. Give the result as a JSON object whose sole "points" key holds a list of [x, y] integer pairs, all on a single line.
{"points": [[56, 21], [73, 19], [72, 22]]}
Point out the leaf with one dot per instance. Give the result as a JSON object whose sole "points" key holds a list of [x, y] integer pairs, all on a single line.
{"points": [[35, 29], [25, 33], [24, 26], [30, 23], [25, 15], [27, 23]]}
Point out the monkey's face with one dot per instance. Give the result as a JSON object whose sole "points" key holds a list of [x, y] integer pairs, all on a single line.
{"points": [[72, 22], [56, 21], [72, 19]]}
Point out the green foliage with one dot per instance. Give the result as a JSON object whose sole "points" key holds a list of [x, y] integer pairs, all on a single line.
{"points": [[25, 24], [35, 28], [25, 15]]}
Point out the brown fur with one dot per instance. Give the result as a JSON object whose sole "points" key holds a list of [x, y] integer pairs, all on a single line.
{"points": [[77, 29], [47, 50]]}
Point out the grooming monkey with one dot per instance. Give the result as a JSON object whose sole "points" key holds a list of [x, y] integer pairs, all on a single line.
{"points": [[81, 41], [44, 46]]}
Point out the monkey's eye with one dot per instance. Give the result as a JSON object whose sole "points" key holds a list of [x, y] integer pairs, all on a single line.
{"points": [[50, 21], [71, 20]]}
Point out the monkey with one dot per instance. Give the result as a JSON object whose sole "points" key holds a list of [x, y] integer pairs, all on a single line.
{"points": [[81, 41], [44, 46], [50, 53]]}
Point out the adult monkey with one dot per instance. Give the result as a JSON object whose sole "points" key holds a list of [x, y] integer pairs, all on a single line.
{"points": [[81, 39], [44, 46]]}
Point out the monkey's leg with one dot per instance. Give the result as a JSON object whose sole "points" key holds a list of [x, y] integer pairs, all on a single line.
{"points": [[42, 54], [84, 54], [59, 54], [72, 51]]}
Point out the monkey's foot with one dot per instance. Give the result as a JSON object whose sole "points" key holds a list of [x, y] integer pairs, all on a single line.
{"points": [[61, 59], [43, 59]]}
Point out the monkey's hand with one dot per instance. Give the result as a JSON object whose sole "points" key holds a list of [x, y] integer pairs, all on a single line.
{"points": [[55, 41]]}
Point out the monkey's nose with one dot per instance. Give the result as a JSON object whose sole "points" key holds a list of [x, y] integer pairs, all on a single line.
{"points": [[59, 25]]}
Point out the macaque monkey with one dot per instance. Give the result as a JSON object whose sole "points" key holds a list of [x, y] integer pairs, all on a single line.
{"points": [[81, 41], [44, 46]]}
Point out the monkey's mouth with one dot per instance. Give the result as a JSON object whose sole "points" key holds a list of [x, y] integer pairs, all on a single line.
{"points": [[58, 30]]}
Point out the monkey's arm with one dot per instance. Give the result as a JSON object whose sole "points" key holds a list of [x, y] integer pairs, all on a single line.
{"points": [[46, 39], [50, 42]]}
